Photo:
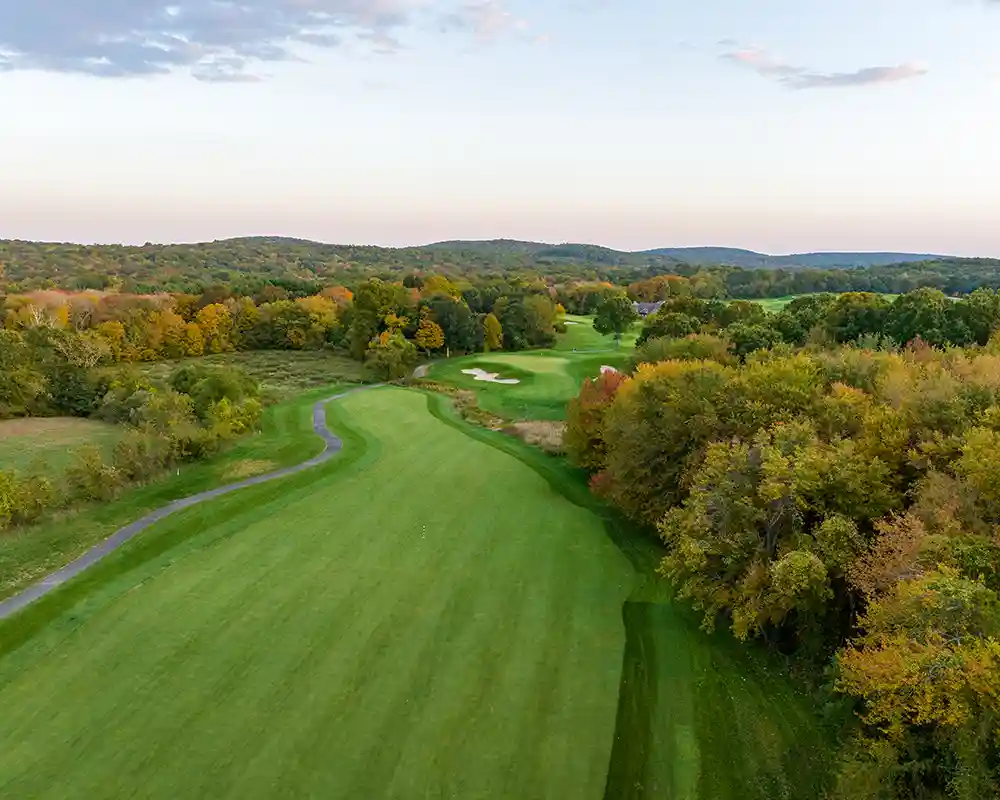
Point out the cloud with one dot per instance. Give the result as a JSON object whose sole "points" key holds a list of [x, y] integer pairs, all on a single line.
{"points": [[487, 20], [795, 77], [217, 40]]}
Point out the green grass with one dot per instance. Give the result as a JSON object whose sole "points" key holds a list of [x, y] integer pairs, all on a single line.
{"points": [[46, 444], [377, 629], [775, 304], [285, 371], [436, 613], [582, 336], [286, 438], [549, 380]]}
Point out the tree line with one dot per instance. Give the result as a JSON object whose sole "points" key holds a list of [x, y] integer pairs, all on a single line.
{"points": [[832, 489], [303, 268], [381, 322]]}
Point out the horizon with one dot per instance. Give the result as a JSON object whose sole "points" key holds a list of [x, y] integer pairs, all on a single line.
{"points": [[493, 240], [790, 129]]}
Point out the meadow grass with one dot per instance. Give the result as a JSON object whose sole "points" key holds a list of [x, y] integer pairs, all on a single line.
{"points": [[282, 371], [46, 444]]}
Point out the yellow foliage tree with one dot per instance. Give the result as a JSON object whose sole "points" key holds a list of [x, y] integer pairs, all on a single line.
{"points": [[430, 335]]}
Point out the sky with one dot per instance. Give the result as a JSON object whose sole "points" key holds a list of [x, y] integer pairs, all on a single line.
{"points": [[775, 125]]}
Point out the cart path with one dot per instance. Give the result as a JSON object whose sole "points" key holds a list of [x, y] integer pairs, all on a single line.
{"points": [[332, 445]]}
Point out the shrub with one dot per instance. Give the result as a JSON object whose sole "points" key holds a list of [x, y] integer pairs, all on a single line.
{"points": [[90, 477]]}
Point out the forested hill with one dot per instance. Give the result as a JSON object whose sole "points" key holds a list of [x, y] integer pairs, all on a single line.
{"points": [[245, 265], [748, 259]]}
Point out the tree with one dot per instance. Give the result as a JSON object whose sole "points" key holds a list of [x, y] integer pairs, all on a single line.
{"points": [[668, 324], [390, 356], [616, 315], [493, 332], [747, 339], [429, 336]]}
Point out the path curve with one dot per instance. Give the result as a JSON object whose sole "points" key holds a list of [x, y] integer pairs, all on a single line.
{"points": [[332, 445]]}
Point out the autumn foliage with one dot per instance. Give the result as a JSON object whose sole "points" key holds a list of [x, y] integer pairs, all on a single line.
{"points": [[841, 504]]}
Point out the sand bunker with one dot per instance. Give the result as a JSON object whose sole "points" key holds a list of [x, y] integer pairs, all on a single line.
{"points": [[605, 368], [567, 322], [489, 377]]}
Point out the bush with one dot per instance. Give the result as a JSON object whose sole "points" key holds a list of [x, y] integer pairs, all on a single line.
{"points": [[90, 477], [23, 500], [696, 347]]}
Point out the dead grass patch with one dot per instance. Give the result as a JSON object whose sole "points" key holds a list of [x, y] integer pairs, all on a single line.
{"points": [[547, 435]]}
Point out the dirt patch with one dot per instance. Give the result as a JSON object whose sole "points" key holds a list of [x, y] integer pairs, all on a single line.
{"points": [[247, 469], [546, 435]]}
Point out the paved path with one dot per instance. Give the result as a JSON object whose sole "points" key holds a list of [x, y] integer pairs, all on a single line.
{"points": [[331, 446]]}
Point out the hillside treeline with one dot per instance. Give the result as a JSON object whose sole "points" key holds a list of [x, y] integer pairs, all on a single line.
{"points": [[836, 495], [246, 266]]}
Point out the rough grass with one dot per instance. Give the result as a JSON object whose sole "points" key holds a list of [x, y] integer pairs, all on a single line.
{"points": [[47, 444], [286, 438], [284, 371], [378, 628]]}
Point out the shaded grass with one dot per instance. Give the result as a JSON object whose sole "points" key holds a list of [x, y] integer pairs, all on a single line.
{"points": [[286, 438], [46, 444], [458, 636], [283, 371]]}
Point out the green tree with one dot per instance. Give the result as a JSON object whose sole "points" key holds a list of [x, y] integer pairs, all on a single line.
{"points": [[616, 315], [390, 356]]}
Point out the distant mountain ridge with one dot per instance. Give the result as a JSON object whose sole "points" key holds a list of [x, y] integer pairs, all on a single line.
{"points": [[696, 256]]}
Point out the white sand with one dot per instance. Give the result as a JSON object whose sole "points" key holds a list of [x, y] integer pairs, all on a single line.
{"points": [[569, 322], [605, 368], [489, 377]]}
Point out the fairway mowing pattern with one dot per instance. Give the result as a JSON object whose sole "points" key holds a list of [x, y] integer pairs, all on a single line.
{"points": [[433, 620]]}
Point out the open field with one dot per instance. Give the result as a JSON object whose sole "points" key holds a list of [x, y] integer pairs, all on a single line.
{"points": [[285, 371], [286, 438], [549, 380], [48, 443], [462, 636]]}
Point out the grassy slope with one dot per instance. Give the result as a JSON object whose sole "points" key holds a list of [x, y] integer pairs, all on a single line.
{"points": [[48, 443], [460, 635], [286, 438]]}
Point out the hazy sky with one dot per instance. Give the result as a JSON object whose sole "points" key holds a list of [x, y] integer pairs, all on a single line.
{"points": [[777, 125]]}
